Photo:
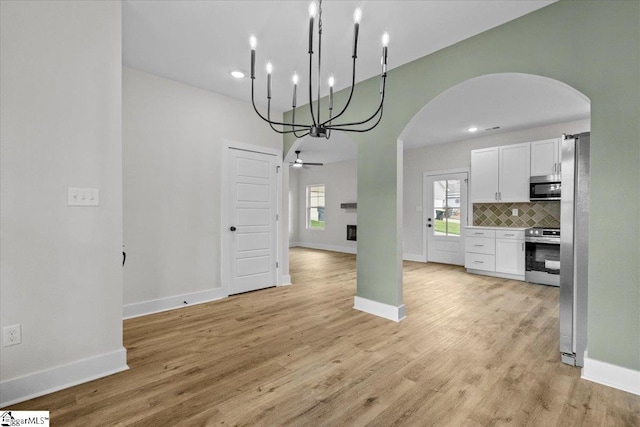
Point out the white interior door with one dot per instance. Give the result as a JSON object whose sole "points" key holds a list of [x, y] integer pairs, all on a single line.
{"points": [[445, 217], [252, 217]]}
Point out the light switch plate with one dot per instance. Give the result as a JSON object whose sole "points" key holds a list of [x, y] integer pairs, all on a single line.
{"points": [[514, 212], [83, 197]]}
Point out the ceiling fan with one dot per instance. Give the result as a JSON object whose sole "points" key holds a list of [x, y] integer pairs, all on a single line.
{"points": [[298, 163]]}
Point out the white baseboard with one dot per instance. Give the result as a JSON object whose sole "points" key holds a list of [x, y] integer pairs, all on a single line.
{"points": [[322, 246], [285, 280], [293, 244], [387, 311], [45, 382], [414, 257], [495, 274], [163, 304], [604, 373]]}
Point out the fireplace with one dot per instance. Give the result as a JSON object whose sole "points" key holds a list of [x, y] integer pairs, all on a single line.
{"points": [[352, 232]]}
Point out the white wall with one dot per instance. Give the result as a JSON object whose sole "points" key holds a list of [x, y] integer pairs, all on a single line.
{"points": [[294, 204], [61, 274], [173, 136], [340, 180], [457, 155]]}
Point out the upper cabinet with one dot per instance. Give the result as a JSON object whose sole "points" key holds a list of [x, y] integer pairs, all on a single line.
{"points": [[484, 175], [501, 174], [546, 157]]}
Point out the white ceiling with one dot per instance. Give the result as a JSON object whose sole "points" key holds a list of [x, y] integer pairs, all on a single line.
{"points": [[200, 42], [511, 101]]}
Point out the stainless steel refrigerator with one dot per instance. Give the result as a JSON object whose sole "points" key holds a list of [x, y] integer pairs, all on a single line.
{"points": [[574, 248]]}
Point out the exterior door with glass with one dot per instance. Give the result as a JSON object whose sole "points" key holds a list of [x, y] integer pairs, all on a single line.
{"points": [[445, 216]]}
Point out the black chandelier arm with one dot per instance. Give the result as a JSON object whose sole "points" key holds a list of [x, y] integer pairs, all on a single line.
{"points": [[271, 122], [293, 131], [293, 119], [340, 125], [353, 85], [381, 110]]}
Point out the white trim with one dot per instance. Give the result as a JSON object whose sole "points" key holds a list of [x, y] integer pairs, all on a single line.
{"points": [[170, 303], [44, 382], [294, 244], [285, 281], [380, 309], [414, 257], [496, 274], [604, 373], [322, 246]]}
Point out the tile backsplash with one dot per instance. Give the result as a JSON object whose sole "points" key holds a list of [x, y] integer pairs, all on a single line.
{"points": [[534, 214]]}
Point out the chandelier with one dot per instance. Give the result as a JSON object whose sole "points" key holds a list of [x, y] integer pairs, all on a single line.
{"points": [[318, 127]]}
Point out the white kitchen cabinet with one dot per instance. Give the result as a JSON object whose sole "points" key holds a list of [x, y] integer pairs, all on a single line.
{"points": [[480, 249], [546, 157], [484, 175], [501, 174], [510, 256], [515, 171], [495, 252]]}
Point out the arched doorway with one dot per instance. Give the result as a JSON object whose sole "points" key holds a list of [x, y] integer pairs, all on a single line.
{"points": [[506, 108]]}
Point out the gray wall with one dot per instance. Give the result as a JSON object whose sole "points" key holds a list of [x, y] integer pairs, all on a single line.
{"points": [[173, 136], [61, 275]]}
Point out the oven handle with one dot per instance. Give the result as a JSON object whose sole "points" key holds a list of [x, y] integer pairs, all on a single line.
{"points": [[549, 240]]}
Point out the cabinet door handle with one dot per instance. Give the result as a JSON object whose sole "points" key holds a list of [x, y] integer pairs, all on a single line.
{"points": [[478, 262], [496, 195], [522, 246], [499, 195], [478, 246], [555, 167], [509, 235]]}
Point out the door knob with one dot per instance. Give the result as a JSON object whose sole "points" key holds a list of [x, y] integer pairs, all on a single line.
{"points": [[232, 228]]}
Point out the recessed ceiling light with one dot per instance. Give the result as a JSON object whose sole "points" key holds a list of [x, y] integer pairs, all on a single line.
{"points": [[472, 129], [237, 74]]}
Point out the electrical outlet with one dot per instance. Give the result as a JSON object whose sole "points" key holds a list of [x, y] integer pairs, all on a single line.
{"points": [[514, 212], [11, 335]]}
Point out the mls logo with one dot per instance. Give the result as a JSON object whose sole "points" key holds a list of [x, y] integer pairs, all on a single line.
{"points": [[6, 419]]}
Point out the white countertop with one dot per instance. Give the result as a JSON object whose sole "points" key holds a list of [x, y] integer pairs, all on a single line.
{"points": [[497, 228]]}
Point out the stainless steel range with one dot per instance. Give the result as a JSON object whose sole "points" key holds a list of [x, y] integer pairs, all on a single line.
{"points": [[542, 256]]}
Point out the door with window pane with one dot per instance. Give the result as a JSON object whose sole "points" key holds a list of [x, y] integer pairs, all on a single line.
{"points": [[446, 216]]}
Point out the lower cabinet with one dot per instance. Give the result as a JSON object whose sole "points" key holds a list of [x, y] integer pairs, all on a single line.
{"points": [[496, 252]]}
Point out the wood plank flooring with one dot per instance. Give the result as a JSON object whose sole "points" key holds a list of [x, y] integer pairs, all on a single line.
{"points": [[473, 351]]}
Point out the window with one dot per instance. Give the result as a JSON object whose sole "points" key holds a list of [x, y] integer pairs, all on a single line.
{"points": [[446, 204], [315, 207]]}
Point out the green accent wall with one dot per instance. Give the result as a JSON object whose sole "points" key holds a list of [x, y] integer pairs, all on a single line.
{"points": [[593, 46]]}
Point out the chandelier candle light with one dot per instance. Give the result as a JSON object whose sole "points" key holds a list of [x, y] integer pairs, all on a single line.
{"points": [[319, 128]]}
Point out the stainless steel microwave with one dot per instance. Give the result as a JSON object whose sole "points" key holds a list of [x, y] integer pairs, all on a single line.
{"points": [[547, 187]]}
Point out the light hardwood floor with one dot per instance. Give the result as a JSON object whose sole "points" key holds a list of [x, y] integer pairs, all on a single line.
{"points": [[473, 351]]}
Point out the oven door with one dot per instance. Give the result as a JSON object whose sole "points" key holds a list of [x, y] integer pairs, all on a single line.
{"points": [[542, 261]]}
